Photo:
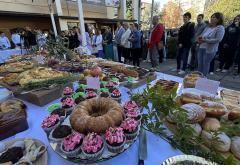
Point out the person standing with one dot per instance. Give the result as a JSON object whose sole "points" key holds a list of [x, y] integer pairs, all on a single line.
{"points": [[108, 44], [119, 32], [125, 43], [30, 38], [98, 44], [76, 41], [185, 39], [16, 38], [209, 41], [199, 28], [135, 39], [229, 45], [4, 41], [155, 43]]}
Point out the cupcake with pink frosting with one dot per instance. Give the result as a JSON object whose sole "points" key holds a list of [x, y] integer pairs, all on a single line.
{"points": [[130, 106], [134, 115], [50, 123], [68, 104], [71, 145], [115, 139], [130, 127], [92, 146], [67, 91]]}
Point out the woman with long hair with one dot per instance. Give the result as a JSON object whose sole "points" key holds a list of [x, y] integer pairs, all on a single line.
{"points": [[209, 41], [229, 45]]}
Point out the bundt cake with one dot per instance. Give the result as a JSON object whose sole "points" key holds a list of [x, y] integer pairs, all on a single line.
{"points": [[96, 115]]}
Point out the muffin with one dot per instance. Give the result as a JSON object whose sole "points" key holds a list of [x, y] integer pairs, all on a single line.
{"points": [[50, 123], [71, 145], [60, 112], [81, 88], [130, 128], [111, 86], [115, 139], [104, 92], [91, 94], [116, 95], [79, 97], [60, 132], [92, 146], [130, 106], [103, 84], [134, 115], [68, 104], [67, 91]]}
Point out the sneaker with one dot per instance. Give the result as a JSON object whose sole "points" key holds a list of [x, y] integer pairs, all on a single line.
{"points": [[181, 72], [218, 70], [224, 71], [175, 70], [211, 73]]}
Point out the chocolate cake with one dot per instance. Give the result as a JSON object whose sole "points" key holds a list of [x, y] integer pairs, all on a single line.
{"points": [[61, 131], [13, 155]]}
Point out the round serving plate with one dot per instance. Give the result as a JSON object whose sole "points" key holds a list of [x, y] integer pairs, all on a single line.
{"points": [[81, 159], [191, 158], [42, 160]]}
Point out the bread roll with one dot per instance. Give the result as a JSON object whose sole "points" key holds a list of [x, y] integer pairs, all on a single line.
{"points": [[195, 113], [223, 145], [197, 129], [234, 114], [190, 98], [211, 124], [235, 146], [214, 109]]}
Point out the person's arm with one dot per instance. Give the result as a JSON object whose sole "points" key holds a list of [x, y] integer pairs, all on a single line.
{"points": [[8, 43], [99, 40], [218, 38]]}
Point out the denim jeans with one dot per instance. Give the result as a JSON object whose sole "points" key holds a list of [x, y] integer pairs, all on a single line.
{"points": [[204, 60], [182, 56]]}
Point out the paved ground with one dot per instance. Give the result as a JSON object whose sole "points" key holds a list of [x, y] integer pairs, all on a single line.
{"points": [[227, 80]]}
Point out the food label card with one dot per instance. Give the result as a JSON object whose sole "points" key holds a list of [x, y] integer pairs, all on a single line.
{"points": [[93, 82], [207, 85]]}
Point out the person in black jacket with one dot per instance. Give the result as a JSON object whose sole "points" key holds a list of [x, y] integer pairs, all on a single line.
{"points": [[229, 45], [185, 39], [29, 38]]}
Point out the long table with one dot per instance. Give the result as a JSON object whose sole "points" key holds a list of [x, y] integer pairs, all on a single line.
{"points": [[158, 149], [5, 54]]}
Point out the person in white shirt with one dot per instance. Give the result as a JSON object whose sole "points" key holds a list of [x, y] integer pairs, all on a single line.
{"points": [[4, 41], [125, 43], [98, 44], [16, 39]]}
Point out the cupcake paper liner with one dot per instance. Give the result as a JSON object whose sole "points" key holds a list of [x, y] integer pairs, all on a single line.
{"points": [[57, 140], [131, 136], [116, 149], [95, 155], [73, 153], [117, 99], [48, 130]]}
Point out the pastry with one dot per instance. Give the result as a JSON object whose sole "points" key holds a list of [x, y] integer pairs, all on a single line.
{"points": [[11, 79], [92, 146], [67, 91], [79, 97], [90, 94], [234, 114], [71, 145], [116, 95], [50, 123], [130, 106], [190, 80], [96, 115], [68, 104], [60, 132], [60, 112], [130, 127], [104, 92], [195, 113], [13, 155], [13, 118], [191, 98], [214, 109], [167, 84], [134, 115], [235, 146], [222, 145], [115, 139], [211, 124], [197, 129]]}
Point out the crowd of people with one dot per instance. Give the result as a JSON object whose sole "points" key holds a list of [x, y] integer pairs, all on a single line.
{"points": [[204, 41], [208, 40]]}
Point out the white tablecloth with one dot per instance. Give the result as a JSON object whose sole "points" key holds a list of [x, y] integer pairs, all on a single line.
{"points": [[158, 149], [5, 54]]}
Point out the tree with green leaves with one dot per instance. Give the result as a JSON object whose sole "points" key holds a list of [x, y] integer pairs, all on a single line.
{"points": [[229, 8]]}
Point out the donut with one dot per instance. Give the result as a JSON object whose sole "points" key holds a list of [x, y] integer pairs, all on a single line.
{"points": [[96, 115]]}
